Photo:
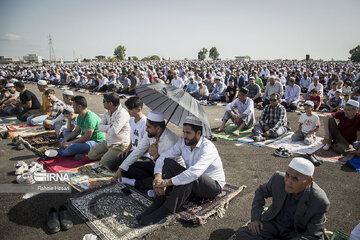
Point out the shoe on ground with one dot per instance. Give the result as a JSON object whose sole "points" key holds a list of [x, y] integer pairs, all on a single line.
{"points": [[21, 167], [313, 160], [155, 216], [284, 153], [64, 217], [53, 223], [327, 146], [79, 156], [26, 178], [259, 138], [20, 147], [35, 167], [15, 142]]}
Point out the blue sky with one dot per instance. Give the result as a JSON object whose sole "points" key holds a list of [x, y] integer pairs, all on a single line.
{"points": [[262, 29]]}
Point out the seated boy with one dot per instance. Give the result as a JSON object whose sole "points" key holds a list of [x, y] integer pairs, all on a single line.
{"points": [[309, 124], [316, 99], [334, 103]]}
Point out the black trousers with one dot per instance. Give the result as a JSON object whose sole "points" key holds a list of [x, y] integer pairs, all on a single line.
{"points": [[143, 171], [204, 188]]}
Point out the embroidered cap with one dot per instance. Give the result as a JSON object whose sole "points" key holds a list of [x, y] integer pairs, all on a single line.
{"points": [[155, 116], [68, 93], [353, 103], [42, 83], [191, 119], [302, 165]]}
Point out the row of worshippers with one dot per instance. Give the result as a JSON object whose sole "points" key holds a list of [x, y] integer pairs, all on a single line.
{"points": [[154, 158], [273, 122]]}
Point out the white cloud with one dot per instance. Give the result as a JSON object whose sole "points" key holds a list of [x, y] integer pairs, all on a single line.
{"points": [[10, 37]]}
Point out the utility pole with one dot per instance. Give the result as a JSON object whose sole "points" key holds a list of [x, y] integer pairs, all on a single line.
{"points": [[51, 50]]}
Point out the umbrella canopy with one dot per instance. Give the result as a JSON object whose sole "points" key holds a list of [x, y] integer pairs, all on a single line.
{"points": [[175, 103]]}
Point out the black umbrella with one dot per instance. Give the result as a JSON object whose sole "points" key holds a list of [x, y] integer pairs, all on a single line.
{"points": [[174, 103]]}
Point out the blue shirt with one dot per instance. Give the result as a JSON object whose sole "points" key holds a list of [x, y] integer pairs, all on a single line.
{"points": [[192, 87]]}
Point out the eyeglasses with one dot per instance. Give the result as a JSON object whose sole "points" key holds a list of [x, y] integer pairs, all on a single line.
{"points": [[273, 100]]}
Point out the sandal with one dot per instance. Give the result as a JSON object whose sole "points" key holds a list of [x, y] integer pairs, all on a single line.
{"points": [[284, 153]]}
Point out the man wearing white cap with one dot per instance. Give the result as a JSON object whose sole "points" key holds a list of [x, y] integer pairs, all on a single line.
{"points": [[158, 139], [309, 124], [340, 136], [45, 110], [203, 177], [298, 206]]}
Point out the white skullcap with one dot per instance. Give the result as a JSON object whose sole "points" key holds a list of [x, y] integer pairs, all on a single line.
{"points": [[9, 85], [191, 119], [68, 93], [310, 103], [155, 116], [14, 80], [353, 103], [42, 83], [69, 108], [302, 165], [272, 77]]}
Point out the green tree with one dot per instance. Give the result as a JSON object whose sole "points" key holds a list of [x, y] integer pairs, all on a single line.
{"points": [[202, 54], [355, 54], [119, 52], [151, 58], [135, 58], [213, 53]]}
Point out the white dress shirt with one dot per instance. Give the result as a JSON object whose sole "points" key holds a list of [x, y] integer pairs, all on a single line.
{"points": [[167, 140], [116, 127], [177, 82], [203, 159], [243, 108]]}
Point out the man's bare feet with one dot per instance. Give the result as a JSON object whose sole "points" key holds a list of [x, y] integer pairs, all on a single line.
{"points": [[220, 129], [236, 132]]}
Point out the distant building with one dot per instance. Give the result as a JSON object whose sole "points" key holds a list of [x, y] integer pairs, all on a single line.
{"points": [[6, 59], [100, 58], [33, 58], [243, 58]]}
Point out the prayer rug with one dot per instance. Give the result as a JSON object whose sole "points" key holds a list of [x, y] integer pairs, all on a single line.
{"points": [[62, 164], [89, 176], [9, 120], [298, 146], [227, 133], [249, 140], [111, 213], [30, 132], [3, 128], [199, 214], [20, 127], [328, 156]]}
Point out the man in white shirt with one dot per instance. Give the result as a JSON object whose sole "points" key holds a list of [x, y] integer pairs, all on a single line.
{"points": [[137, 130], [158, 139], [115, 123], [317, 85], [245, 117], [272, 87], [203, 177], [177, 81]]}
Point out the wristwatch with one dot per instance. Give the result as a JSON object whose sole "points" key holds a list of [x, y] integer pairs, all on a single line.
{"points": [[164, 182]]}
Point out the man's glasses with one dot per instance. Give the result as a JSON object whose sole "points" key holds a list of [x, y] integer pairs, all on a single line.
{"points": [[273, 100]]}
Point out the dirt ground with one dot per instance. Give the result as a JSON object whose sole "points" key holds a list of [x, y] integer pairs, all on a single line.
{"points": [[244, 165]]}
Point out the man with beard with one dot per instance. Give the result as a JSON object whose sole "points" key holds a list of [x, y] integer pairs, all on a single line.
{"points": [[140, 173], [203, 177]]}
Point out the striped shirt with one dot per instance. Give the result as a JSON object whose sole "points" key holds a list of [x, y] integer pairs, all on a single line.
{"points": [[273, 117]]}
